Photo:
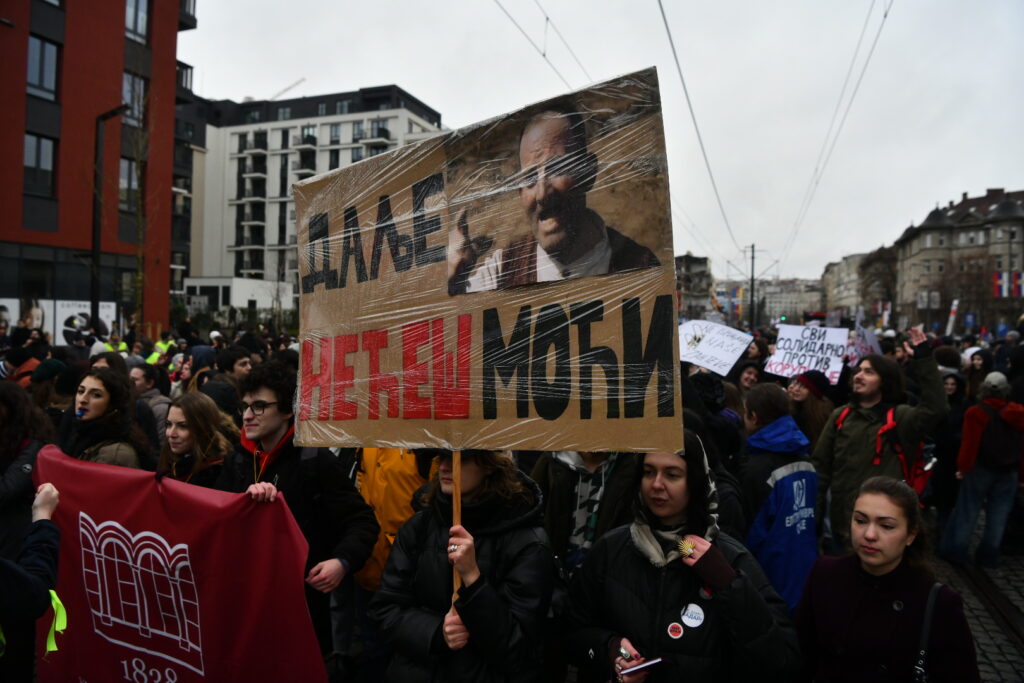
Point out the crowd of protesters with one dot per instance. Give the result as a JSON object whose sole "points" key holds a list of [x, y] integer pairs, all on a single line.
{"points": [[789, 540]]}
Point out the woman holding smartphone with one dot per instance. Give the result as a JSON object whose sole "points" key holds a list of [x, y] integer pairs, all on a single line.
{"points": [[863, 617], [670, 585]]}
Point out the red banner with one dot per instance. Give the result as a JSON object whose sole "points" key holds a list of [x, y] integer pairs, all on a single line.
{"points": [[166, 582]]}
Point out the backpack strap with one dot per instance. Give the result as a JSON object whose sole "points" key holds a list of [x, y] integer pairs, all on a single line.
{"points": [[889, 426], [926, 627]]}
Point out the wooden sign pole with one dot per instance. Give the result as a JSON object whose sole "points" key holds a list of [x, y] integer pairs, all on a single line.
{"points": [[456, 511]]}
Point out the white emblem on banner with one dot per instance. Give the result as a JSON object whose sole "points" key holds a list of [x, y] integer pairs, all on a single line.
{"points": [[141, 592]]}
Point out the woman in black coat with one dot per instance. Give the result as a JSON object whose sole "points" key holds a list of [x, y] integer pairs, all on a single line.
{"points": [[860, 617], [493, 630], [672, 586]]}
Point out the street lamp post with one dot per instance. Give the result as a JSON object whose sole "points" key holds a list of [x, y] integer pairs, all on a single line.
{"points": [[97, 213]]}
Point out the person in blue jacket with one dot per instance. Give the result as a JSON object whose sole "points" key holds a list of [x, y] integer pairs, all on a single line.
{"points": [[780, 488]]}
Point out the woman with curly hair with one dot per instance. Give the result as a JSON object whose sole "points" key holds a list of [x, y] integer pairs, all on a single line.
{"points": [[104, 429], [493, 629], [199, 437]]}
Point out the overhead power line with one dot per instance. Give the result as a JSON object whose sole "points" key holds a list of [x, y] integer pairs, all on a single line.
{"points": [[819, 170], [693, 117], [550, 21], [831, 126], [535, 46]]}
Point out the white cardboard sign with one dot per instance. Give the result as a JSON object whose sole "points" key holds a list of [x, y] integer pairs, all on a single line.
{"points": [[800, 349], [710, 345]]}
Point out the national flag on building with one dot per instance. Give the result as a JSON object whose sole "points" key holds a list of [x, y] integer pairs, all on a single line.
{"points": [[1006, 284]]}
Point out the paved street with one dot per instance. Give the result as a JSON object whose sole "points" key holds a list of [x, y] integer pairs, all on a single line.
{"points": [[1000, 660]]}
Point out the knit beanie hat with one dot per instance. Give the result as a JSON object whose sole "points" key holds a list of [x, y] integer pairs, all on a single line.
{"points": [[815, 381], [48, 369]]}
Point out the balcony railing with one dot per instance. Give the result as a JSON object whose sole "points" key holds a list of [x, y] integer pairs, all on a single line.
{"points": [[254, 169], [303, 141]]}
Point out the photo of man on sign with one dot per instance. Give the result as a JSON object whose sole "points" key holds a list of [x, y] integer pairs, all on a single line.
{"points": [[566, 239]]}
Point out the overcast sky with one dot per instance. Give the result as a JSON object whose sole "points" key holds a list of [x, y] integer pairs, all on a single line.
{"points": [[940, 110]]}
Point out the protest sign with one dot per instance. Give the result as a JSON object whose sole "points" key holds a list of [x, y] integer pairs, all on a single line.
{"points": [[712, 346], [506, 285], [169, 582], [864, 341], [799, 349]]}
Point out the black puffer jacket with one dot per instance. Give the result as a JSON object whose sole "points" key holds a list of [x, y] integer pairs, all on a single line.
{"points": [[504, 610], [739, 633], [16, 492], [334, 518]]}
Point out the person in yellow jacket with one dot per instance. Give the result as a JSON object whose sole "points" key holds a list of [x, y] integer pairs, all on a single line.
{"points": [[387, 478], [114, 343]]}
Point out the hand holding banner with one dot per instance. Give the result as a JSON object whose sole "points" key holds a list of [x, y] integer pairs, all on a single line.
{"points": [[165, 581]]}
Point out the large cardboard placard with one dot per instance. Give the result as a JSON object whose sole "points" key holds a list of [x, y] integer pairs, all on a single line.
{"points": [[506, 285], [799, 349], [712, 346]]}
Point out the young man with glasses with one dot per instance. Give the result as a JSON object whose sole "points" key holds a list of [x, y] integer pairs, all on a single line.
{"points": [[340, 527]]}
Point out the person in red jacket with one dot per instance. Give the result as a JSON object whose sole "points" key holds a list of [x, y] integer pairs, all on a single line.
{"points": [[989, 465]]}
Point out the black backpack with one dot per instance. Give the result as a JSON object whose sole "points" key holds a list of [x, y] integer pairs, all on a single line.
{"points": [[1001, 445]]}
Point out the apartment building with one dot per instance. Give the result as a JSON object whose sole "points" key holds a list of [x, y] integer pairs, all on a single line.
{"points": [[243, 238], [840, 285], [964, 251], [86, 145]]}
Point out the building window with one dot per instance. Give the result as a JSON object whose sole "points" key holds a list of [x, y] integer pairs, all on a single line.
{"points": [[133, 93], [42, 68], [128, 185], [321, 109], [135, 19], [942, 241], [357, 154], [981, 237], [379, 129], [341, 107], [999, 233], [39, 157], [927, 241], [357, 131], [999, 264], [335, 133], [970, 238], [309, 132], [252, 116], [942, 267], [284, 113], [1013, 234], [334, 159]]}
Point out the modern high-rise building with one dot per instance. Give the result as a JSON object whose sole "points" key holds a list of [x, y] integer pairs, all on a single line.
{"points": [[245, 158], [89, 91]]}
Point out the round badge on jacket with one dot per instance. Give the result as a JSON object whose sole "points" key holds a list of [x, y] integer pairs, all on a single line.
{"points": [[675, 630], [692, 615]]}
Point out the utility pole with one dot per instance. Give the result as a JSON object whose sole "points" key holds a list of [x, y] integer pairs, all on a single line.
{"points": [[97, 214], [753, 305]]}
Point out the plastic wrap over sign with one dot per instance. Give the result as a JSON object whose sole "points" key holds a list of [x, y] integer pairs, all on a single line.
{"points": [[508, 285]]}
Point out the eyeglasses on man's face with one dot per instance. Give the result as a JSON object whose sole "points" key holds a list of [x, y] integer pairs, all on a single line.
{"points": [[257, 407]]}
